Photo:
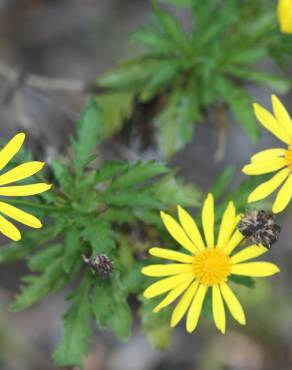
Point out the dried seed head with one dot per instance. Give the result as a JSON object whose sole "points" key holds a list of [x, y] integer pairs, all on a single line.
{"points": [[101, 264], [259, 227]]}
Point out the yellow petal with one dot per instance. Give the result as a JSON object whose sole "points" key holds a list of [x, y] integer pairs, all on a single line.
{"points": [[10, 149], [284, 196], [166, 270], [218, 309], [255, 269], [282, 115], [248, 253], [235, 240], [260, 168], [268, 187], [24, 190], [177, 232], [9, 230], [20, 216], [191, 228], [270, 123], [171, 255], [173, 295], [184, 303], [227, 225], [285, 15], [208, 220], [196, 308], [232, 303], [166, 284], [21, 172], [268, 154], [237, 220]]}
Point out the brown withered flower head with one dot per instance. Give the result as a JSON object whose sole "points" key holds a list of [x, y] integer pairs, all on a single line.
{"points": [[259, 227], [102, 264]]}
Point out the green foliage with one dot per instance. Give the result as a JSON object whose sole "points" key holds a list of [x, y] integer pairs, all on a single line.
{"points": [[156, 325], [110, 307], [112, 207], [89, 134], [209, 62], [90, 209], [77, 329], [223, 181], [243, 280]]}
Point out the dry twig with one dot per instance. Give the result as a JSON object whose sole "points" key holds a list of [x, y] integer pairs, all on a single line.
{"points": [[14, 75]]}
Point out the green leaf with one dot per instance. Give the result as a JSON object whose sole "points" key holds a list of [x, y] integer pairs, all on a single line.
{"points": [[207, 305], [173, 191], [72, 246], [99, 233], [119, 215], [248, 56], [110, 308], [209, 32], [39, 285], [138, 173], [223, 181], [163, 75], [29, 242], [63, 176], [77, 329], [152, 39], [133, 281], [172, 28], [275, 82], [120, 321], [156, 325], [204, 13], [240, 103], [187, 3], [129, 75], [149, 217], [110, 169], [116, 108], [40, 261], [125, 198], [176, 121], [243, 280], [90, 131]]}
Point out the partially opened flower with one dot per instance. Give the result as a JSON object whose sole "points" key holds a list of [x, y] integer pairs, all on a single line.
{"points": [[285, 15], [20, 172], [276, 159], [208, 264]]}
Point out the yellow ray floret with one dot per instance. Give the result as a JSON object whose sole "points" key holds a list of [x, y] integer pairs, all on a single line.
{"points": [[203, 266], [285, 15], [277, 159], [21, 172], [218, 309]]}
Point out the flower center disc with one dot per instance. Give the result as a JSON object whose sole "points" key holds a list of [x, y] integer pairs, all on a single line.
{"points": [[212, 266], [289, 157]]}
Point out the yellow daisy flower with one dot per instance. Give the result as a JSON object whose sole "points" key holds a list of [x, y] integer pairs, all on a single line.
{"points": [[20, 172], [275, 159], [285, 15], [208, 264]]}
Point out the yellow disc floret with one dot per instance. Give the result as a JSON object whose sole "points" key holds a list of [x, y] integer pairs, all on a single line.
{"points": [[212, 266]]}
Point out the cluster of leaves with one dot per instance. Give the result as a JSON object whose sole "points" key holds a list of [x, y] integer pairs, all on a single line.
{"points": [[92, 212], [208, 63], [112, 207]]}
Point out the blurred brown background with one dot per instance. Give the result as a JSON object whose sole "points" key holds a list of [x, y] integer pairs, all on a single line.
{"points": [[77, 40]]}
